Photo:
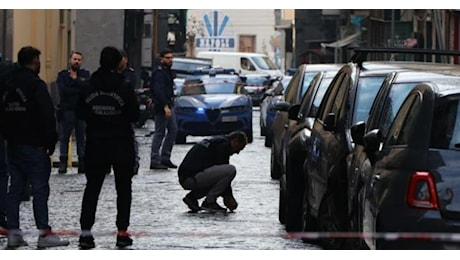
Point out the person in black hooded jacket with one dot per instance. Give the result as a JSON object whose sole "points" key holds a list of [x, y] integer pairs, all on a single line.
{"points": [[29, 127], [109, 107]]}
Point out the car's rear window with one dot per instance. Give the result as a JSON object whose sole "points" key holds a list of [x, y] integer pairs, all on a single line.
{"points": [[366, 92], [445, 130]]}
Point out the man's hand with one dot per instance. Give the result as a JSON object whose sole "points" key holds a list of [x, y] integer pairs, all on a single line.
{"points": [[49, 149], [230, 202], [167, 111]]}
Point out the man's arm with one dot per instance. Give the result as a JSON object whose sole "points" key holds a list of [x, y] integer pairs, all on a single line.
{"points": [[46, 114], [66, 84]]}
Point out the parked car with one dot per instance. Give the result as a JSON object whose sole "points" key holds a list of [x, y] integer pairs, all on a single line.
{"points": [[362, 160], [212, 104], [293, 94], [255, 86], [185, 66], [346, 102], [267, 107], [413, 181], [301, 117]]}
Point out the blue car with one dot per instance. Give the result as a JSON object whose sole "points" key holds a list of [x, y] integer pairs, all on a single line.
{"points": [[267, 108], [212, 104]]}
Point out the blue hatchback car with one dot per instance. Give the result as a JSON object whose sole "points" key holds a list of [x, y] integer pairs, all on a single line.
{"points": [[212, 104]]}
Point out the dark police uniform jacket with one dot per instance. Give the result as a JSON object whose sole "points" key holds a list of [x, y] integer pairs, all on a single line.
{"points": [[27, 113], [162, 88], [69, 89], [108, 105], [206, 153]]}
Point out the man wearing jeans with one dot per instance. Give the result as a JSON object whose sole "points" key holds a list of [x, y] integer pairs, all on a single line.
{"points": [[70, 82], [161, 86], [29, 127], [206, 171]]}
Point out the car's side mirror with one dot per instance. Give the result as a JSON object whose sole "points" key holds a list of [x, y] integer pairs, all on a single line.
{"points": [[282, 106], [372, 141], [357, 132], [293, 112], [278, 89], [329, 122]]}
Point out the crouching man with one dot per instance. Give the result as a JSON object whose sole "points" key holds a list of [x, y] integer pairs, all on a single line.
{"points": [[206, 172]]}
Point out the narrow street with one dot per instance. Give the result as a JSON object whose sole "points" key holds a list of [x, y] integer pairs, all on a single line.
{"points": [[159, 218]]}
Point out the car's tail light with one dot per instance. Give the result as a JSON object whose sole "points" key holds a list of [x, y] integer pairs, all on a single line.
{"points": [[421, 192]]}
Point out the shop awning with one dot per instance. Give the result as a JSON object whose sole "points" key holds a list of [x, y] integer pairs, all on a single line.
{"points": [[342, 42]]}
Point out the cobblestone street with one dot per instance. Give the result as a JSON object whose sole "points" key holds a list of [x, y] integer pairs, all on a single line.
{"points": [[159, 218]]}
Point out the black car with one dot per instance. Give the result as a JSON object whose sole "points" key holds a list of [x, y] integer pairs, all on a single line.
{"points": [[293, 94], [255, 86], [346, 102], [301, 117], [363, 161]]}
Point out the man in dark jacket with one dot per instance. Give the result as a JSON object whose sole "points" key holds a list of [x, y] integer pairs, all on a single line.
{"points": [[70, 82], [109, 107], [29, 127], [206, 171], [162, 88]]}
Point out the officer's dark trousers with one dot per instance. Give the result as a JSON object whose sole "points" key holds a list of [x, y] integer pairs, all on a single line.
{"points": [[100, 155]]}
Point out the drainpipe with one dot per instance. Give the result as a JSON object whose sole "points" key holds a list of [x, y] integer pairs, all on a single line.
{"points": [[4, 34]]}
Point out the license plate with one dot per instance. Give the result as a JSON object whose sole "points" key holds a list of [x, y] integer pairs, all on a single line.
{"points": [[142, 107], [229, 118]]}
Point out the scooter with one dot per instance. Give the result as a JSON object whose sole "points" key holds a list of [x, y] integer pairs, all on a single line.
{"points": [[145, 106]]}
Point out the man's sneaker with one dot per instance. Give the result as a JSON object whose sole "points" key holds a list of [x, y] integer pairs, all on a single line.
{"points": [[51, 240], [157, 166], [3, 228], [15, 240], [123, 239], [212, 207], [169, 164], [86, 242], [3, 231], [192, 204]]}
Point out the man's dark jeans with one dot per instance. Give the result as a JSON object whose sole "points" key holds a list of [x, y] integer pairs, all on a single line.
{"points": [[100, 156], [28, 163], [67, 123]]}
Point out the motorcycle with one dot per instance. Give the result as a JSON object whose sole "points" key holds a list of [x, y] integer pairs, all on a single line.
{"points": [[145, 106]]}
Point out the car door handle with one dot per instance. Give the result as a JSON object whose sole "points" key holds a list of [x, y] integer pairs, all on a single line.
{"points": [[374, 180]]}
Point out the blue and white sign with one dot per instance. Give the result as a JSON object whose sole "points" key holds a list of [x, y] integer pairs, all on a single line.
{"points": [[218, 33]]}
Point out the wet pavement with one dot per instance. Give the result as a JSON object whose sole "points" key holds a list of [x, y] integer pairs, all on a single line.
{"points": [[159, 218]]}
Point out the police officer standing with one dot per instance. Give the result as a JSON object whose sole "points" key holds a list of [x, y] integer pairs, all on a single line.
{"points": [[162, 88], [70, 82], [109, 107]]}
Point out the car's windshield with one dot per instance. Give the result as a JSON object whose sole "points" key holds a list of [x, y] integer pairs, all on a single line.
{"points": [[366, 92], [264, 63], [210, 85], [256, 81]]}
